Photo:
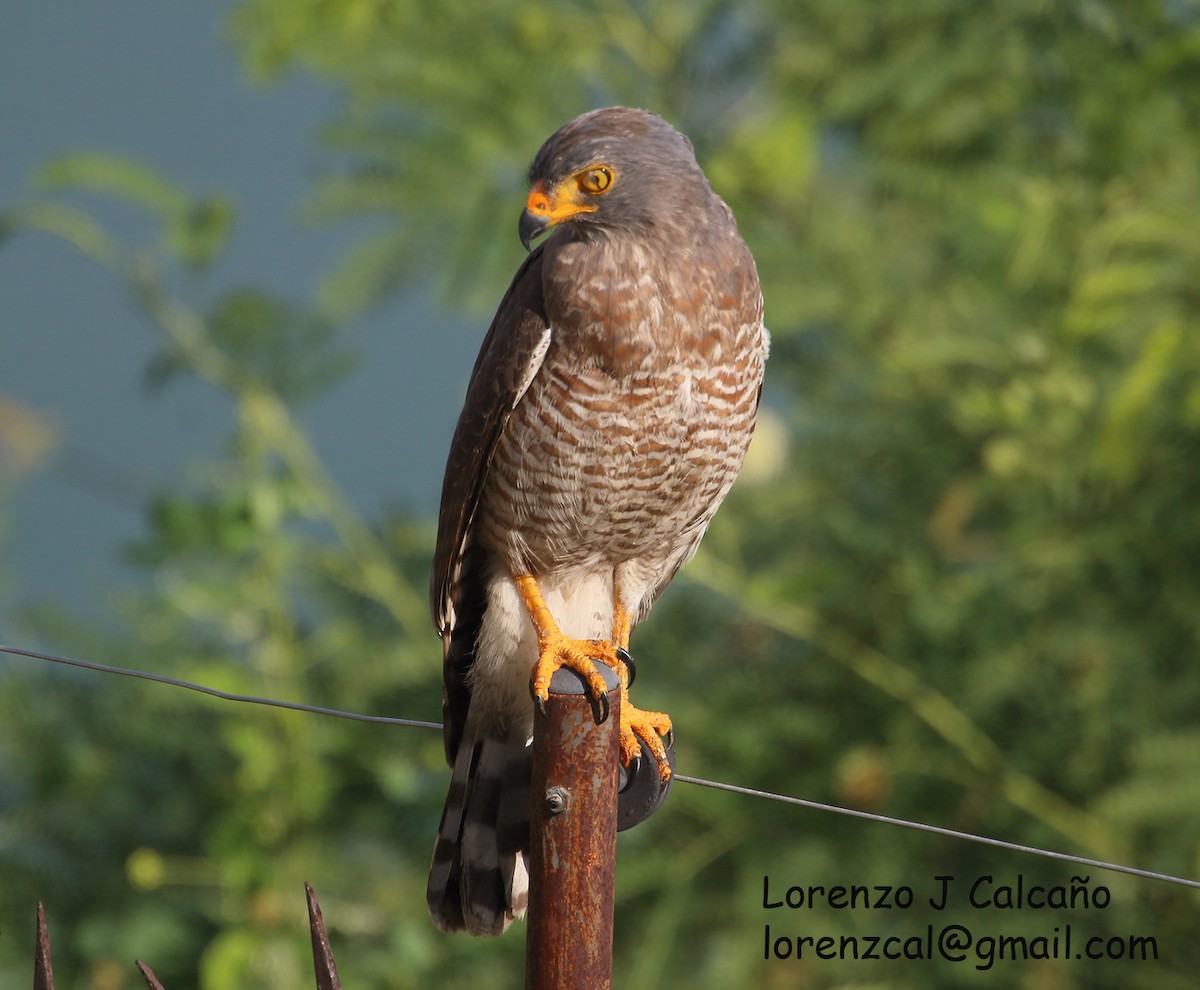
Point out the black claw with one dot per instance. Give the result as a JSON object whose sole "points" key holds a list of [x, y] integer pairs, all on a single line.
{"points": [[643, 791], [626, 658], [601, 709], [579, 684], [538, 703]]}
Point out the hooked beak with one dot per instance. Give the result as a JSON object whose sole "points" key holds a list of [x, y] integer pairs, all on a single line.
{"points": [[531, 226], [545, 209]]}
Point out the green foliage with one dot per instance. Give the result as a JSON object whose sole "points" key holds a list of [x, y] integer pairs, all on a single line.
{"points": [[445, 103], [958, 583], [195, 230], [281, 346]]}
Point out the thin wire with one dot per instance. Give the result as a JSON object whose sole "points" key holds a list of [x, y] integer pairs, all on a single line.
{"points": [[682, 778], [248, 699], [938, 830]]}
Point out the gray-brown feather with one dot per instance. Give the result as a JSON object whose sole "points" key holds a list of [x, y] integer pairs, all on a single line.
{"points": [[455, 588], [607, 416]]}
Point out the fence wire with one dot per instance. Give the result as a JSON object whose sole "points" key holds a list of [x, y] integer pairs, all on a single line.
{"points": [[681, 778]]}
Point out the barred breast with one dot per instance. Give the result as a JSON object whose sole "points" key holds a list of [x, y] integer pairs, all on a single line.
{"points": [[634, 428]]}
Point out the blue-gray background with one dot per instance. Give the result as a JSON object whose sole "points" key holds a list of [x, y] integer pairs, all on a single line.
{"points": [[158, 82]]}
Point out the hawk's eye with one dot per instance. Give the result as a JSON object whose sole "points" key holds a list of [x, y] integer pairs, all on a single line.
{"points": [[596, 179]]}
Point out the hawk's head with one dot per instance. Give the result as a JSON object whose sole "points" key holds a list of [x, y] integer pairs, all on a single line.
{"points": [[615, 169]]}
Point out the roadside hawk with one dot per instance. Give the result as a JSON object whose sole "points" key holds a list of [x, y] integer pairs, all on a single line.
{"points": [[606, 418]]}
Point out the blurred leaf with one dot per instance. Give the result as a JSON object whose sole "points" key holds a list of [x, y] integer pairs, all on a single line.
{"points": [[198, 233], [118, 176], [196, 229], [26, 437], [283, 347], [73, 226]]}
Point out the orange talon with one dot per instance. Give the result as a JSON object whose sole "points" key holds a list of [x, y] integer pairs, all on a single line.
{"points": [[556, 651], [637, 724]]}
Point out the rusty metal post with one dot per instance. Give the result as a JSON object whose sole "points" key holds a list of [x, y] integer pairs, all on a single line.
{"points": [[323, 964], [43, 971], [573, 839], [148, 975]]}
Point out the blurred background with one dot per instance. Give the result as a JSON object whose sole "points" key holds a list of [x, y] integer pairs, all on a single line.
{"points": [[247, 254]]}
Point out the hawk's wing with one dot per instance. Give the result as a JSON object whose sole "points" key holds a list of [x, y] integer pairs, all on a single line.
{"points": [[510, 357]]}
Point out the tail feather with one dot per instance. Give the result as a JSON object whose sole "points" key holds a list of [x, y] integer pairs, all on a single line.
{"points": [[479, 878]]}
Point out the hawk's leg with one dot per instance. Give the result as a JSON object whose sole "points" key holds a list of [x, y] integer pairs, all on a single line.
{"points": [[636, 723], [556, 650]]}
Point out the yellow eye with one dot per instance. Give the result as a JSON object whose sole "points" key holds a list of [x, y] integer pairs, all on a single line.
{"points": [[596, 179]]}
